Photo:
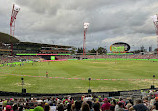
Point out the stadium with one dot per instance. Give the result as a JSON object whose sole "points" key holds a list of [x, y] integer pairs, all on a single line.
{"points": [[50, 77], [50, 70]]}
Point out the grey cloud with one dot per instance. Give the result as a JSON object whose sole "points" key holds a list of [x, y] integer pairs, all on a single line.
{"points": [[61, 22]]}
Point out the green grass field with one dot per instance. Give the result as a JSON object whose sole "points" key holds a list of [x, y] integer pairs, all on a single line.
{"points": [[131, 73]]}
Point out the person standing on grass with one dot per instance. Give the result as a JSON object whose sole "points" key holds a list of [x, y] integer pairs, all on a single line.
{"points": [[46, 74]]}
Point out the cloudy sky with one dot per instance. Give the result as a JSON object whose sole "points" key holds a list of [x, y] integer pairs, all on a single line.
{"points": [[61, 21]]}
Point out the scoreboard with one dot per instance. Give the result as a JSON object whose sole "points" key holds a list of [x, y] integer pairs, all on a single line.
{"points": [[119, 47]]}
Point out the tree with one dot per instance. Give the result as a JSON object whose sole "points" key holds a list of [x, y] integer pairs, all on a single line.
{"points": [[101, 50], [135, 51], [155, 51], [80, 50], [92, 51]]}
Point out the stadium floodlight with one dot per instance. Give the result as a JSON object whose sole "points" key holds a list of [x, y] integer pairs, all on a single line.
{"points": [[86, 25], [155, 21], [15, 11], [16, 8]]}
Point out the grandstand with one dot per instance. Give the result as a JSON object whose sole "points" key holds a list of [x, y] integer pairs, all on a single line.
{"points": [[31, 49]]}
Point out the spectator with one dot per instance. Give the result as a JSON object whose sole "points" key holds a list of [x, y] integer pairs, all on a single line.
{"points": [[155, 108], [129, 104], [119, 107], [15, 107], [90, 105], [8, 108], [60, 107], [21, 108], [96, 107], [46, 108], [68, 107], [77, 106], [112, 107], [85, 107], [38, 108], [139, 106], [106, 105]]}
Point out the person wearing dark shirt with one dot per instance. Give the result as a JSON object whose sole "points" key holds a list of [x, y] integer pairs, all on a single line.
{"points": [[139, 106]]}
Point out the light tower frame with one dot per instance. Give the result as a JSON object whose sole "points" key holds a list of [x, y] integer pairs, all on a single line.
{"points": [[15, 11], [155, 21], [86, 24]]}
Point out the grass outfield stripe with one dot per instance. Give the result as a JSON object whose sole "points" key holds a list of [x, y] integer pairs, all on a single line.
{"points": [[82, 78]]}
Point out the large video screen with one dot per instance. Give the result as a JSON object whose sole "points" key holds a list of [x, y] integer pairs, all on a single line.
{"points": [[118, 48]]}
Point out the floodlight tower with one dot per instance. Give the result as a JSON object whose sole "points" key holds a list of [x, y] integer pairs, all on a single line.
{"points": [[86, 24], [155, 21], [15, 11]]}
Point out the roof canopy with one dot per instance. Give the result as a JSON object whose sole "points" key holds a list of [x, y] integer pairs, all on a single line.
{"points": [[7, 39]]}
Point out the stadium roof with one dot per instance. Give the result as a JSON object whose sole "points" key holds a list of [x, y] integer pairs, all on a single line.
{"points": [[44, 45], [7, 39]]}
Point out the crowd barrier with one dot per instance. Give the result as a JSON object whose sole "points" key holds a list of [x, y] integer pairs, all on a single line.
{"points": [[131, 93]]}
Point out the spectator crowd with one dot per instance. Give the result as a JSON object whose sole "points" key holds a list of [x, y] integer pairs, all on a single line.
{"points": [[10, 59], [85, 103]]}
